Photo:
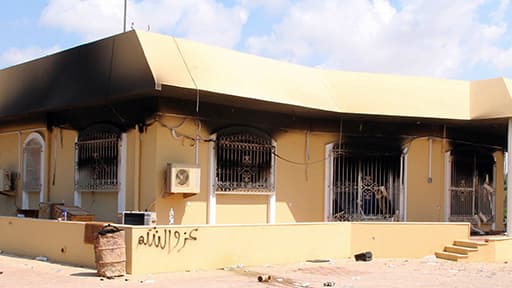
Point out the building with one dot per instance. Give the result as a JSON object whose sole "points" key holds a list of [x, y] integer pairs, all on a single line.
{"points": [[251, 140]]}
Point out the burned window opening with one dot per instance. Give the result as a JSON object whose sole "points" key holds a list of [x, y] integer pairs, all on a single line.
{"points": [[472, 187], [365, 184], [97, 158], [245, 162]]}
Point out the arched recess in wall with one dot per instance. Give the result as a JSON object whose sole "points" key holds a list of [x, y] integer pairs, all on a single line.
{"points": [[100, 157], [242, 163], [33, 168]]}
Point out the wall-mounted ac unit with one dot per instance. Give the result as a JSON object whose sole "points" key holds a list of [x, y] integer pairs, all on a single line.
{"points": [[5, 180], [139, 218], [183, 178]]}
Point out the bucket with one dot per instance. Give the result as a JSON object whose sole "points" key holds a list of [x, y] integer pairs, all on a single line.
{"points": [[109, 250]]}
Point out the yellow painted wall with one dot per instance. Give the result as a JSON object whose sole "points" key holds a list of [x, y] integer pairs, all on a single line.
{"points": [[9, 160], [187, 247], [217, 246], [405, 240], [62, 171], [102, 204], [425, 201], [502, 248], [59, 241], [242, 209], [181, 150], [299, 188], [132, 169]]}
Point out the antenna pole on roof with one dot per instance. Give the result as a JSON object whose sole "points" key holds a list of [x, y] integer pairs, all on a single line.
{"points": [[124, 19]]}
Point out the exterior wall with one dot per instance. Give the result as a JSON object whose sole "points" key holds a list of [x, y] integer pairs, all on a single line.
{"points": [[299, 188], [59, 241], [102, 204], [217, 246], [11, 158], [405, 240], [425, 201], [132, 169], [62, 171], [189, 247], [168, 149]]}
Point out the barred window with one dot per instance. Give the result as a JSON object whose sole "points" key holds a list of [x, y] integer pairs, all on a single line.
{"points": [[97, 159], [32, 155], [244, 162]]}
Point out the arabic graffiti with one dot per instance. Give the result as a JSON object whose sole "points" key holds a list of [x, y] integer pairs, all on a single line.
{"points": [[172, 240]]}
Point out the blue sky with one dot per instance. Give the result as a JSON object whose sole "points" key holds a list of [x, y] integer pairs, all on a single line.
{"points": [[456, 39]]}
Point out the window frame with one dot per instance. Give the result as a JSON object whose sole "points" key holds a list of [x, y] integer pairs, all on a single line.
{"points": [[34, 136], [105, 130], [238, 130]]}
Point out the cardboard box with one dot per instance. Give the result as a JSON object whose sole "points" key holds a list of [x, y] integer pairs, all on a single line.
{"points": [[73, 213]]}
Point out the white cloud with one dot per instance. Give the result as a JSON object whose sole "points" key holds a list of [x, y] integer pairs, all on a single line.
{"points": [[270, 6], [91, 19], [424, 37], [203, 20], [13, 56]]}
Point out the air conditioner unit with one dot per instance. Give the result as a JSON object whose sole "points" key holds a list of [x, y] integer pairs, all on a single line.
{"points": [[5, 180], [183, 178], [139, 218]]}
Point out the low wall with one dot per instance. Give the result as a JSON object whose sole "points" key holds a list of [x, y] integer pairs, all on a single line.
{"points": [[59, 241], [500, 249], [405, 240], [172, 248], [178, 248]]}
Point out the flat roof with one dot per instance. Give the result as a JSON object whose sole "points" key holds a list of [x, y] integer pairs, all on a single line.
{"points": [[143, 64]]}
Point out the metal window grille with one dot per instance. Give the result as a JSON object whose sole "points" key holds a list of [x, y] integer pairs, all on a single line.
{"points": [[365, 186], [244, 163], [32, 157], [472, 186], [97, 159]]}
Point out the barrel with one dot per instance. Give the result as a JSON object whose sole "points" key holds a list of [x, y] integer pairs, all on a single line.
{"points": [[109, 251]]}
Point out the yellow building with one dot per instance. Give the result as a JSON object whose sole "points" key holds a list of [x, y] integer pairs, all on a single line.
{"points": [[204, 135]]}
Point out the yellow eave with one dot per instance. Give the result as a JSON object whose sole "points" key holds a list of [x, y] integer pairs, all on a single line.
{"points": [[180, 63]]}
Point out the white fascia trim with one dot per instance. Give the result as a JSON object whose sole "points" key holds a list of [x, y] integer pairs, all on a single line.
{"points": [[77, 196], [447, 183], [212, 201], [327, 182]]}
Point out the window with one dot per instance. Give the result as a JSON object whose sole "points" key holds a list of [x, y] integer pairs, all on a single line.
{"points": [[472, 184], [32, 155], [244, 162], [97, 158], [366, 181], [33, 168]]}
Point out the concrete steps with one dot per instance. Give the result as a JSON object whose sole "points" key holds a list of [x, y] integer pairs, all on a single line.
{"points": [[451, 256], [460, 250]]}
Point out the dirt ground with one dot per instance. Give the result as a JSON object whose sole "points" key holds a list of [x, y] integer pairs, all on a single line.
{"points": [[425, 272]]}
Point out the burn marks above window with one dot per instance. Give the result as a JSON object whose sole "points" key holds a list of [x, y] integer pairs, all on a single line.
{"points": [[244, 161]]}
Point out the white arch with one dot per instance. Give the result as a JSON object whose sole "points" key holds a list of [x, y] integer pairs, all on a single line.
{"points": [[24, 196]]}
